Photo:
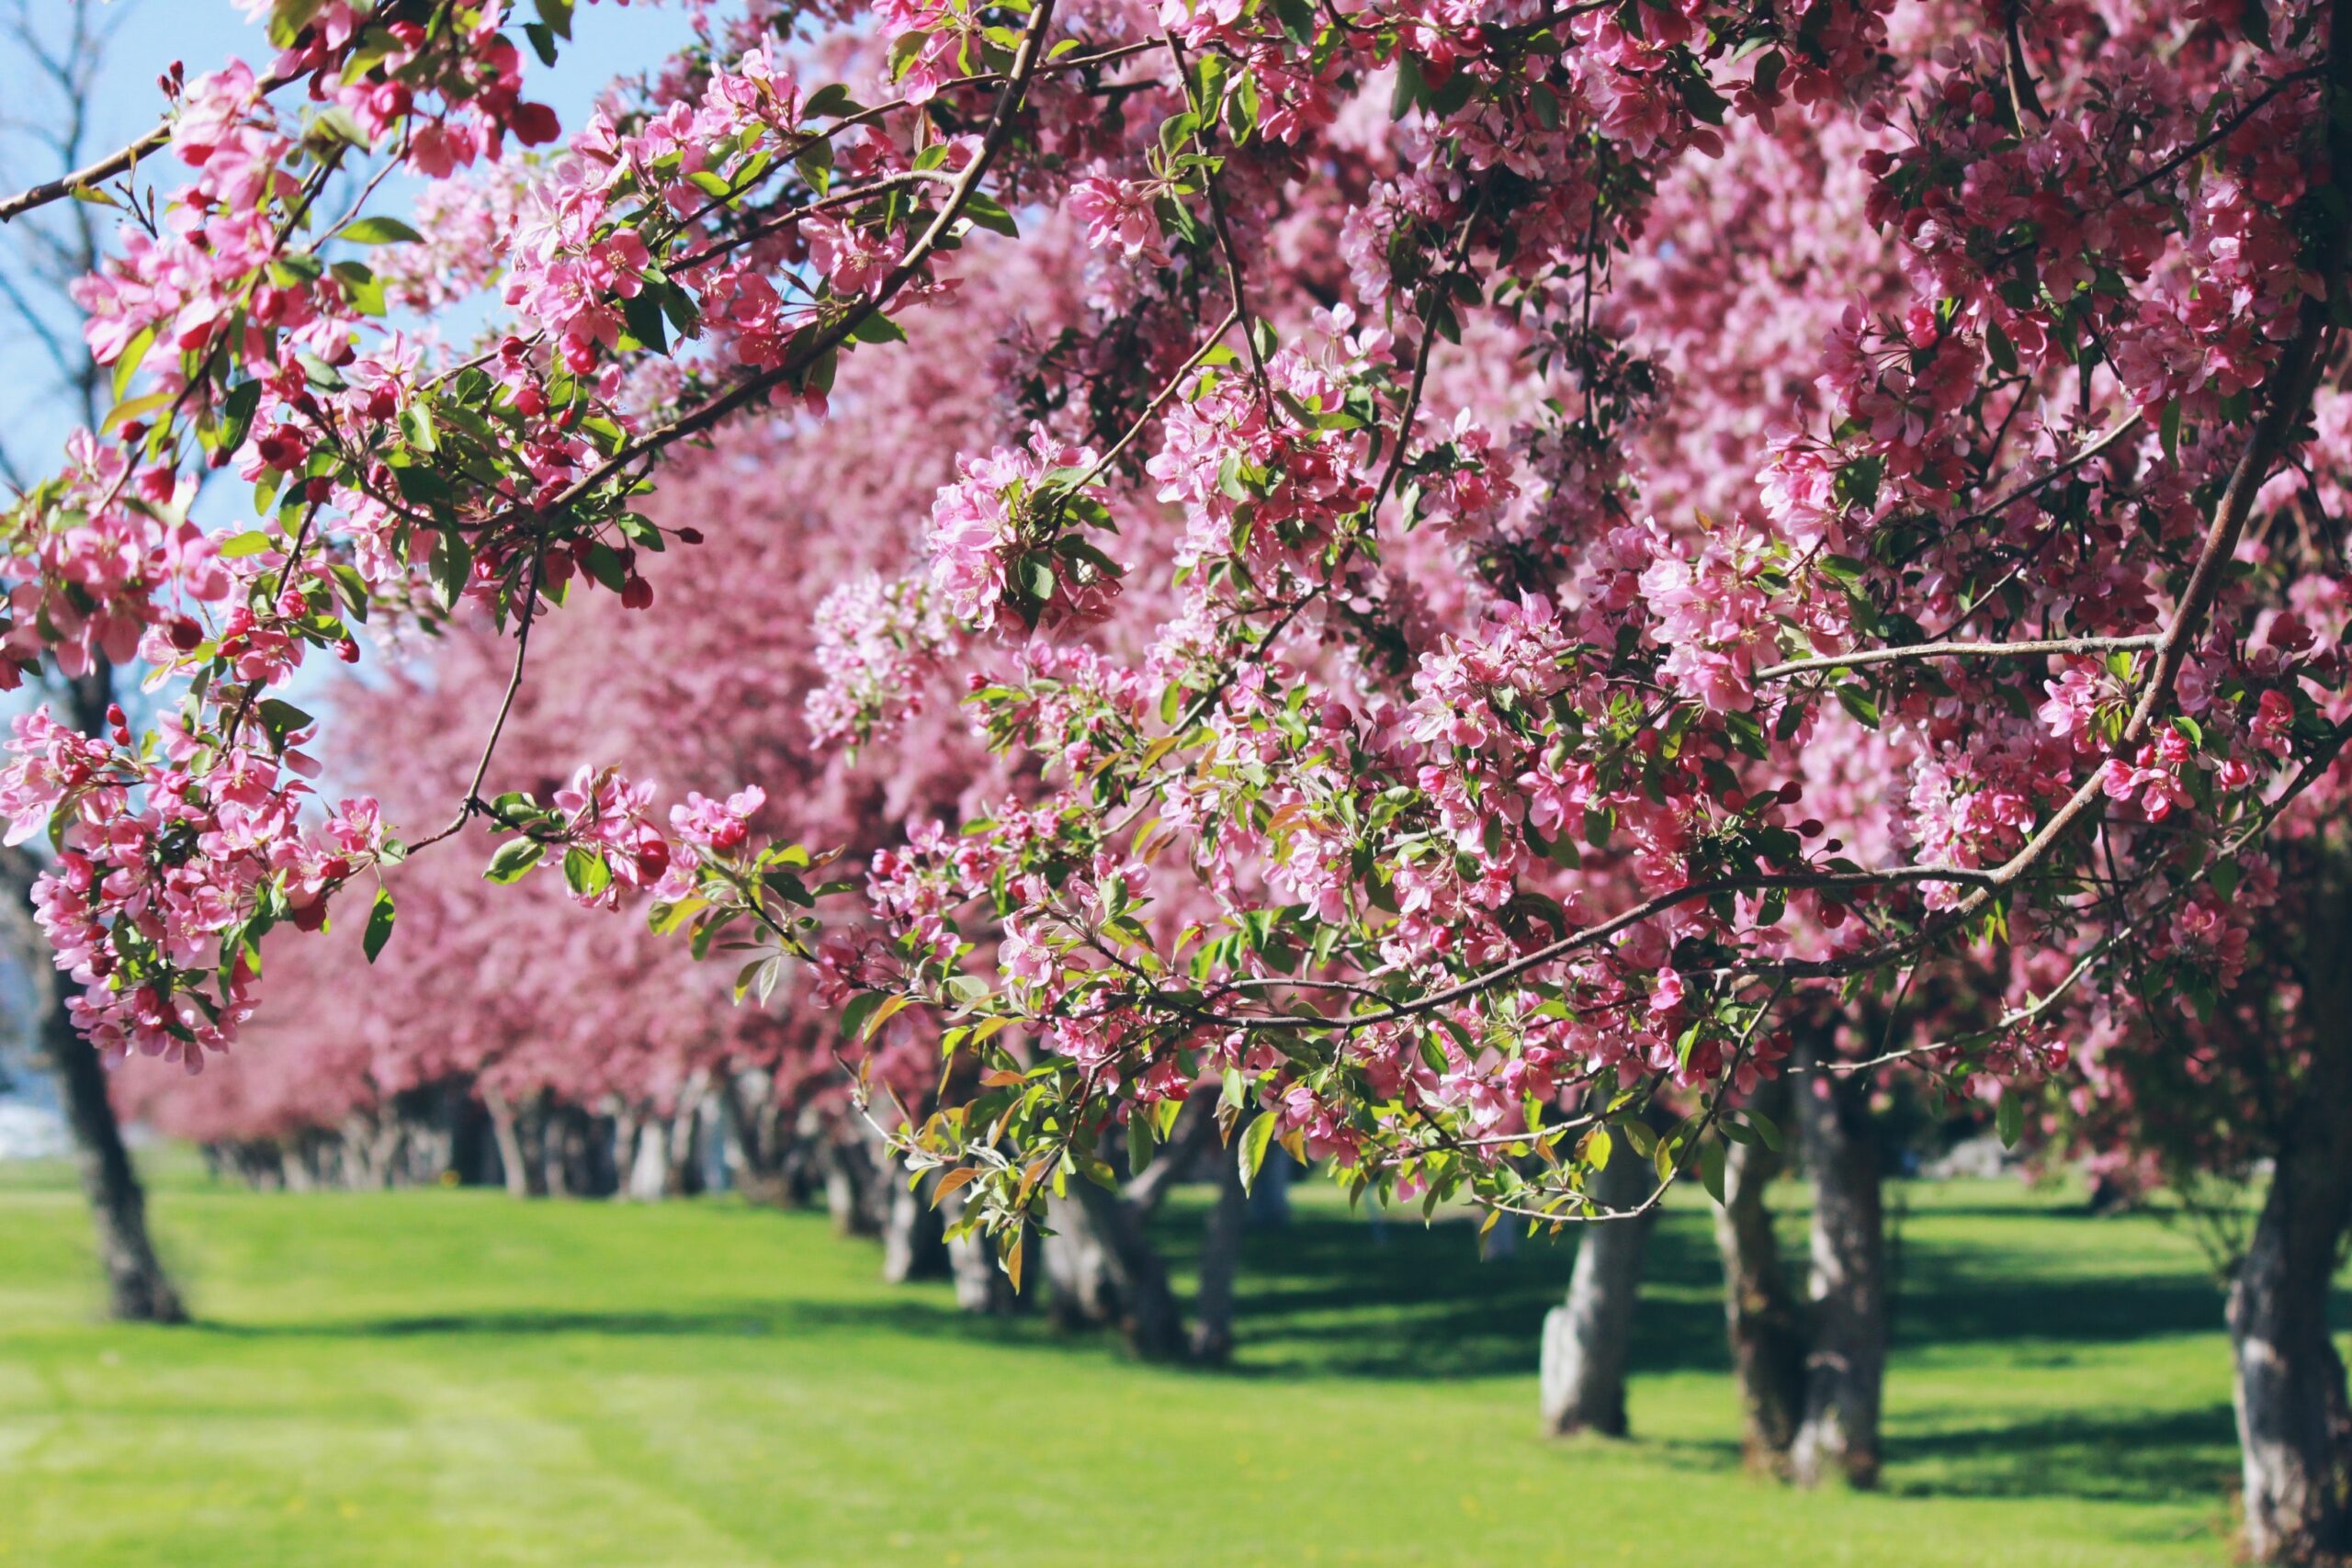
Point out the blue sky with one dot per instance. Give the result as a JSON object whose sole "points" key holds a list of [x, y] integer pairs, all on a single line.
{"points": [[203, 34]]}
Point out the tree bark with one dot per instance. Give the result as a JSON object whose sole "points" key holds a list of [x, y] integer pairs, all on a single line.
{"points": [[2288, 1385], [1221, 1262], [686, 1137], [1082, 1291], [516, 1132], [1145, 1308], [2294, 1424], [982, 1286], [138, 1290], [1846, 1366], [1760, 1313], [757, 1142], [915, 1239], [643, 1141], [576, 1166], [852, 1194], [1269, 1194], [1585, 1340]]}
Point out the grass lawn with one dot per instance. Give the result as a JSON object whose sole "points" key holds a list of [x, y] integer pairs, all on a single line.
{"points": [[454, 1378]]}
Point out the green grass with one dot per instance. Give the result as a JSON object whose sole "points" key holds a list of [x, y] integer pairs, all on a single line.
{"points": [[451, 1377]]}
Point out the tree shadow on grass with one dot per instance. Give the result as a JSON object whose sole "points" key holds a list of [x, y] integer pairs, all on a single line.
{"points": [[2097, 1455], [1331, 1296]]}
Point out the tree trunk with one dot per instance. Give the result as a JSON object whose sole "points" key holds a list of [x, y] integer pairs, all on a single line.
{"points": [[1221, 1261], [516, 1132], [1847, 1363], [571, 1163], [757, 1142], [914, 1238], [1082, 1292], [1760, 1313], [1584, 1341], [138, 1290], [1269, 1194], [643, 1142], [1146, 1307], [853, 1195], [684, 1136], [2294, 1425], [2294, 1419], [982, 1284]]}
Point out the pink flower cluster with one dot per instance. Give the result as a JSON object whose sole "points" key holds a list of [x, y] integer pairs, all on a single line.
{"points": [[609, 818], [170, 863], [991, 536], [877, 643]]}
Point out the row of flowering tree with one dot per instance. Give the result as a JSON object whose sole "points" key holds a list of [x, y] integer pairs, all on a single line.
{"points": [[1508, 628]]}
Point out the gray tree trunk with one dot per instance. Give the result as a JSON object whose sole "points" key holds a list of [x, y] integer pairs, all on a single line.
{"points": [[516, 1131], [1761, 1316], [138, 1290], [2294, 1419], [1146, 1311], [1846, 1366], [645, 1142], [757, 1137], [1221, 1262], [1269, 1194], [914, 1238], [574, 1154], [982, 1284], [2294, 1424], [1584, 1341], [1082, 1292], [854, 1194]]}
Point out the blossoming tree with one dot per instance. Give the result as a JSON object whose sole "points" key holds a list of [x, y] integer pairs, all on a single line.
{"points": [[1454, 811]]}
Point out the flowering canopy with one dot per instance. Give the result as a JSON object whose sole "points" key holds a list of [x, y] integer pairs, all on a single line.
{"points": [[1556, 537]]}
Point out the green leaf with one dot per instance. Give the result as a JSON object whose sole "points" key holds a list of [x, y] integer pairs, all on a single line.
{"points": [[586, 874], [832, 98], [604, 564], [236, 546], [1700, 96], [1255, 1138], [377, 229], [123, 414], [990, 214], [1037, 578], [557, 15], [126, 365], [512, 860], [890, 1009], [642, 312], [281, 717], [1858, 701], [2003, 352], [2009, 1118], [379, 924], [860, 1006], [1711, 1169], [452, 564]]}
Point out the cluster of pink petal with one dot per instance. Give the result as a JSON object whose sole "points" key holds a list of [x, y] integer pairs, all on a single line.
{"points": [[161, 856], [878, 643], [987, 520]]}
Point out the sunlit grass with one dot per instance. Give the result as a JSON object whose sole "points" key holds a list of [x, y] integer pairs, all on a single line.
{"points": [[451, 1377]]}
